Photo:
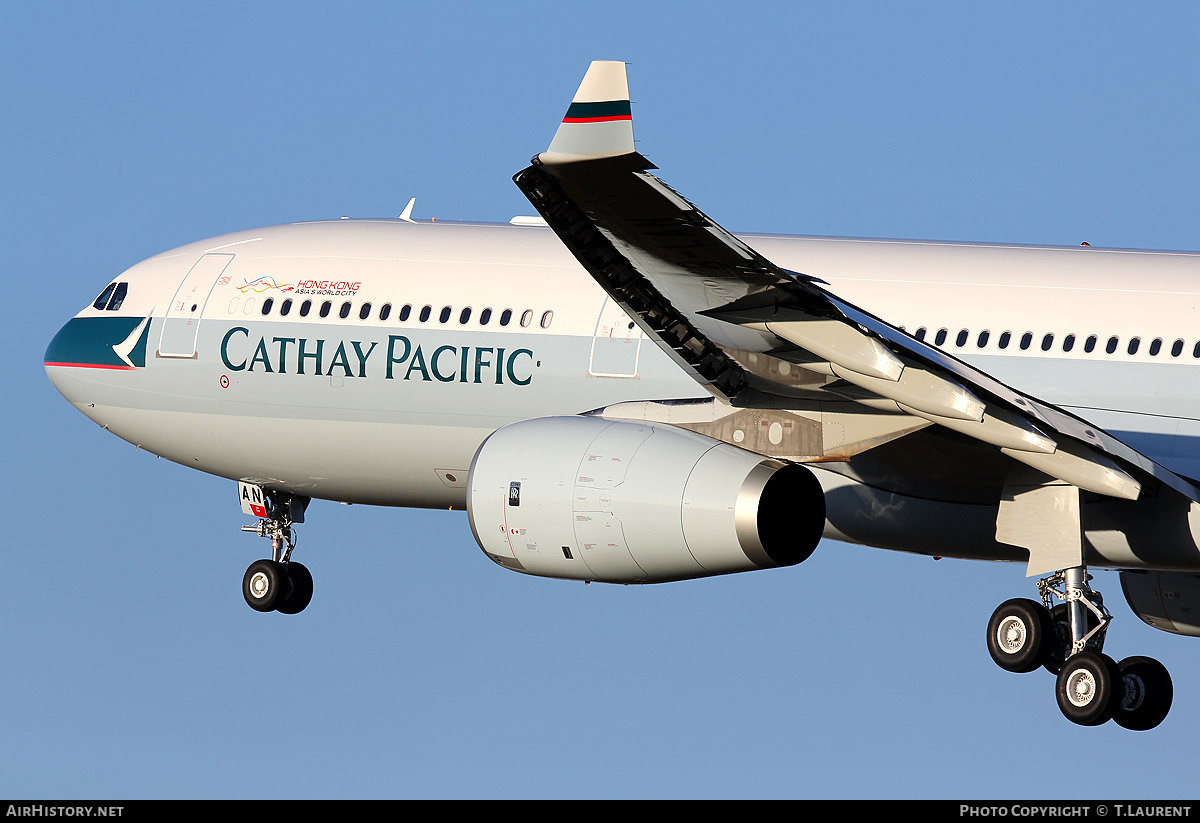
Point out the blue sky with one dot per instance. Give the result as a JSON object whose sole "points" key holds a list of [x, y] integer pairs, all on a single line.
{"points": [[132, 667]]}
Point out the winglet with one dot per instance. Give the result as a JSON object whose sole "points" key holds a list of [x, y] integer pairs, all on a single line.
{"points": [[599, 122]]}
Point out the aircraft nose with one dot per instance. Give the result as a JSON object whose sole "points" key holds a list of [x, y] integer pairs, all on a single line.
{"points": [[56, 361], [99, 343], [91, 349]]}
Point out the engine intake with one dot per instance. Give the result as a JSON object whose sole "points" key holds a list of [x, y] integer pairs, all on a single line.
{"points": [[588, 498]]}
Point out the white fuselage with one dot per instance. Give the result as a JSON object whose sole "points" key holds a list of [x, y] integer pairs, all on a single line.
{"points": [[390, 411]]}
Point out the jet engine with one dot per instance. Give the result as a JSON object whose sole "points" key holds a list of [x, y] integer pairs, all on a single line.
{"points": [[1165, 600], [589, 498]]}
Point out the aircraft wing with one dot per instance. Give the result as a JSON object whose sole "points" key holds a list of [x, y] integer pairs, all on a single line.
{"points": [[713, 303]]}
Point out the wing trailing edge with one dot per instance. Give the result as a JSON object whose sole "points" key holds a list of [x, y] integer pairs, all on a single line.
{"points": [[707, 298]]}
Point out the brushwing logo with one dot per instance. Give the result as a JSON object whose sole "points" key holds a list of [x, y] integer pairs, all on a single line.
{"points": [[126, 346]]}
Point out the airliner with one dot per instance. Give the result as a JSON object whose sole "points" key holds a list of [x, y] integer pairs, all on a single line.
{"points": [[619, 390]]}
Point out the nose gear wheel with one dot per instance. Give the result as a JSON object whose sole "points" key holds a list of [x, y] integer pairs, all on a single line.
{"points": [[278, 584]]}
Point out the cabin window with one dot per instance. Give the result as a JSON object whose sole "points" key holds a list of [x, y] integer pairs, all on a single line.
{"points": [[1177, 348], [267, 304], [425, 312], [1089, 345], [444, 315], [1133, 345], [1005, 338], [547, 319], [1026, 340], [1155, 346], [305, 307], [385, 311], [1047, 342], [364, 311], [526, 318], [344, 311], [405, 312], [1112, 344], [961, 340], [505, 317], [940, 337], [325, 307], [983, 339], [485, 316], [464, 316], [1196, 350], [920, 335], [285, 307], [1068, 342]]}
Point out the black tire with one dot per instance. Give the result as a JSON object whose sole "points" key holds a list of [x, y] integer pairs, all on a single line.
{"points": [[299, 592], [1145, 696], [264, 585], [1018, 635], [1060, 635], [1088, 688]]}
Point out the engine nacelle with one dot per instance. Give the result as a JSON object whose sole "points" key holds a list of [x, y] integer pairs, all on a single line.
{"points": [[587, 498], [1165, 600]]}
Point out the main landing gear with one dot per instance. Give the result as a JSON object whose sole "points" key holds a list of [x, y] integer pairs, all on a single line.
{"points": [[279, 584], [1068, 640]]}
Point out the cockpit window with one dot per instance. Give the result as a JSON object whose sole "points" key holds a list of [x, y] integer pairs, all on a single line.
{"points": [[118, 296], [102, 300], [112, 297]]}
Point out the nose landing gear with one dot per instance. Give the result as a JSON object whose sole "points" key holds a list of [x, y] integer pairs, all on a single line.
{"points": [[1068, 640], [279, 584], [282, 587]]}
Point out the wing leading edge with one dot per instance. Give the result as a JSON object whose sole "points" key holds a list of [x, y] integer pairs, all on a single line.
{"points": [[712, 303]]}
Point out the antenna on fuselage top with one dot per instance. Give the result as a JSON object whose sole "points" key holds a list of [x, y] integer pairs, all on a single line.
{"points": [[407, 213]]}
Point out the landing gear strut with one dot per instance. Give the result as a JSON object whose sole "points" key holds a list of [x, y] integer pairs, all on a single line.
{"points": [[1068, 640], [279, 584]]}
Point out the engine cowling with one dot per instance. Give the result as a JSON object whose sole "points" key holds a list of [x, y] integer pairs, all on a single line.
{"points": [[588, 498], [1169, 601]]}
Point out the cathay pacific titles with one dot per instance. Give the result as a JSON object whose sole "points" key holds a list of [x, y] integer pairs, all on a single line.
{"points": [[399, 359]]}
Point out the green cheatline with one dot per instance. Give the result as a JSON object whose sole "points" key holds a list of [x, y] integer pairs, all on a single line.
{"points": [[588, 112], [89, 341]]}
